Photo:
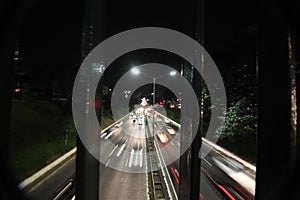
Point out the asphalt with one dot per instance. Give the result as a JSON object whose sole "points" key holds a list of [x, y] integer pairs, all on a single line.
{"points": [[114, 183], [124, 148], [47, 188]]}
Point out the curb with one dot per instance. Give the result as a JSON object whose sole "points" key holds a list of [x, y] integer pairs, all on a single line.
{"points": [[46, 170]]}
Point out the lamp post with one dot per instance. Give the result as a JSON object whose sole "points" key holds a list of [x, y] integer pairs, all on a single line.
{"points": [[136, 71]]}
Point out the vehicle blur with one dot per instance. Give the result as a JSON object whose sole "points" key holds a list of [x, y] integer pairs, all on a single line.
{"points": [[163, 138], [170, 130]]}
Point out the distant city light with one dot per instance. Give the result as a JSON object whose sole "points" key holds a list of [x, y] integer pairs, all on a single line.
{"points": [[98, 67]]}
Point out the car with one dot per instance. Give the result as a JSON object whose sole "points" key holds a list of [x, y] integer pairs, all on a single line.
{"points": [[140, 121], [170, 130], [179, 106], [118, 124], [163, 138]]}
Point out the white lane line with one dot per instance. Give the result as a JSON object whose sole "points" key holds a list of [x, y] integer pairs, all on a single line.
{"points": [[121, 150], [120, 124], [126, 162], [131, 157], [47, 169], [113, 150], [172, 143], [141, 157], [135, 159], [164, 167], [107, 162], [207, 162], [104, 134], [108, 136]]}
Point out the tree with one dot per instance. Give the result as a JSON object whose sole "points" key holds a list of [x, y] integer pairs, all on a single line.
{"points": [[240, 121]]}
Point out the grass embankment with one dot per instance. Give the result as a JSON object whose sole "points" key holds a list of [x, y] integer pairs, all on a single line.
{"points": [[38, 135], [106, 121]]}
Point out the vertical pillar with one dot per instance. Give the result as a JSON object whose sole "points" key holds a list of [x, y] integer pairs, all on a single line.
{"points": [[87, 167], [190, 163], [273, 105]]}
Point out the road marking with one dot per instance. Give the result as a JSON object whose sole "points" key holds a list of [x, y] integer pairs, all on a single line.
{"points": [[136, 159], [172, 143], [163, 168], [126, 162], [121, 150], [131, 157], [113, 150], [104, 134], [66, 157], [207, 162], [108, 136], [107, 162], [141, 158]]}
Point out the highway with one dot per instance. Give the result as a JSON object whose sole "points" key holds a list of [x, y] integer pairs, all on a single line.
{"points": [[171, 149], [221, 175], [128, 154], [123, 147], [47, 188]]}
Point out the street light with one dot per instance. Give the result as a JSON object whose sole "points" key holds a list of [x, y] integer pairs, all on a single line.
{"points": [[172, 73], [136, 71]]}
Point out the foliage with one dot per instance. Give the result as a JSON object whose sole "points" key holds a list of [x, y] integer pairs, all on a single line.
{"points": [[240, 120], [41, 131]]}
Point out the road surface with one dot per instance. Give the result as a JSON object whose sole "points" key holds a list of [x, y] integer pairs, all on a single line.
{"points": [[123, 147]]}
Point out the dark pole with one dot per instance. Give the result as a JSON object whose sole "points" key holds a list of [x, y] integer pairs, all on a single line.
{"points": [[198, 87], [274, 129], [190, 163], [87, 167], [11, 16]]}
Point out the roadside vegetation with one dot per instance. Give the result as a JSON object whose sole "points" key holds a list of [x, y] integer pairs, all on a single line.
{"points": [[41, 132], [239, 131]]}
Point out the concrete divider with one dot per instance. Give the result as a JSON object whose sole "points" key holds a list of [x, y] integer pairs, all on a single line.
{"points": [[47, 169], [229, 154], [220, 149], [55, 164]]}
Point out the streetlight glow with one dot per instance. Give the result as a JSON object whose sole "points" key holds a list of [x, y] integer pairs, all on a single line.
{"points": [[135, 71], [172, 73]]}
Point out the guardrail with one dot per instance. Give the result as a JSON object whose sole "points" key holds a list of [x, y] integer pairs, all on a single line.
{"points": [[158, 188], [229, 154], [28, 182], [44, 172], [218, 148]]}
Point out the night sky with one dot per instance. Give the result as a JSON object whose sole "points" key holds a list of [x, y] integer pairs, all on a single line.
{"points": [[51, 30], [51, 34]]}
